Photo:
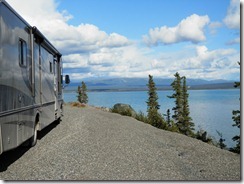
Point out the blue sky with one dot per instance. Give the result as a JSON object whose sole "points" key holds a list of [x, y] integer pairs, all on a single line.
{"points": [[133, 18], [134, 38]]}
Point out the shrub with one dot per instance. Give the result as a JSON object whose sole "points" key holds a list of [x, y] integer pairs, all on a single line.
{"points": [[202, 135], [173, 127], [141, 117]]}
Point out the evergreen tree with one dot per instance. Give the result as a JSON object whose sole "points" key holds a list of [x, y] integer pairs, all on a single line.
{"points": [[181, 110], [168, 118], [154, 118], [237, 119], [221, 143], [176, 85], [82, 96], [187, 124]]}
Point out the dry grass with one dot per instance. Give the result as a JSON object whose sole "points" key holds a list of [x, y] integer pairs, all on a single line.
{"points": [[77, 104]]}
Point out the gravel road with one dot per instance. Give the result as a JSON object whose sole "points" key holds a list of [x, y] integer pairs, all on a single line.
{"points": [[90, 144]]}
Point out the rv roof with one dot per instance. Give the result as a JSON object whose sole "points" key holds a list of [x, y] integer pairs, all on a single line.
{"points": [[45, 41]]}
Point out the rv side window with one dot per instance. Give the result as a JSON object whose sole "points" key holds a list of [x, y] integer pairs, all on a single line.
{"points": [[22, 53], [51, 67]]}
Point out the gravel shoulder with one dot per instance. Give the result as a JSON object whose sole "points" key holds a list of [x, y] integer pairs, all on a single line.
{"points": [[90, 144]]}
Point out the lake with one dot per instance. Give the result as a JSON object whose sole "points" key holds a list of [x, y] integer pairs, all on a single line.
{"points": [[210, 110]]}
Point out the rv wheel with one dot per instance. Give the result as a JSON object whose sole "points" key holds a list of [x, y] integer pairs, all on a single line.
{"points": [[33, 139]]}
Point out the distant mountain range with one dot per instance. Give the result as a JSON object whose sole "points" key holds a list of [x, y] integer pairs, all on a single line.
{"points": [[133, 84]]}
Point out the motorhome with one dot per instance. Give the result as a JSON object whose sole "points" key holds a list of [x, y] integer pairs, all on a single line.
{"points": [[30, 80]]}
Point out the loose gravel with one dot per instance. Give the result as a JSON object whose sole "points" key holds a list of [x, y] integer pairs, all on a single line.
{"points": [[90, 144]]}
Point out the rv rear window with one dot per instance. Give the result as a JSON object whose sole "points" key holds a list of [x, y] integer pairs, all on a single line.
{"points": [[22, 53]]}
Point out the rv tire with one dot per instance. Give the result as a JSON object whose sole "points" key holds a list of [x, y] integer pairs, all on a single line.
{"points": [[57, 122], [33, 139]]}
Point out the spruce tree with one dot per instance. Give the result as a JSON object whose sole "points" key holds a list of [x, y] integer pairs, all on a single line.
{"points": [[177, 95], [82, 93], [237, 119], [181, 110], [154, 118], [187, 124], [168, 118], [221, 143]]}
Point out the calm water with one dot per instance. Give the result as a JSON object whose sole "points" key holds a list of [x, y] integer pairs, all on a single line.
{"points": [[210, 110]]}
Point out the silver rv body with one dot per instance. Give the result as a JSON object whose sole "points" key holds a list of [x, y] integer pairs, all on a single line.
{"points": [[30, 80]]}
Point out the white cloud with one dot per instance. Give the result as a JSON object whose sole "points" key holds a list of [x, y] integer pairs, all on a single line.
{"points": [[203, 63], [232, 19], [197, 62], [102, 58], [67, 38], [115, 40], [36, 9], [118, 61], [189, 29], [207, 63], [206, 59], [75, 61], [79, 76], [124, 62]]}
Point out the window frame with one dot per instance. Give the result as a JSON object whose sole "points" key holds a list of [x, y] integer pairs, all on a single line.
{"points": [[22, 45], [50, 67]]}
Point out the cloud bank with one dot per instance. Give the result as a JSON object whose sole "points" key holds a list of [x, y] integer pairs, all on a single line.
{"points": [[91, 52], [232, 19]]}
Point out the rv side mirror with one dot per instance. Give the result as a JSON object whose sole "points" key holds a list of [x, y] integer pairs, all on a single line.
{"points": [[67, 80]]}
